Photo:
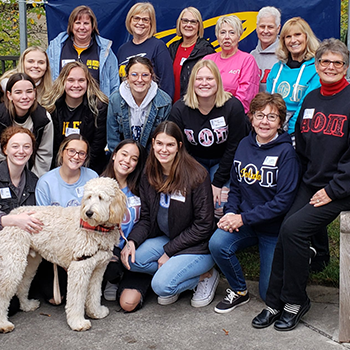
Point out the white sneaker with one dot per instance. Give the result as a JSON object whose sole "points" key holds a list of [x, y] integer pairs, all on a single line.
{"points": [[171, 299], [205, 290], [110, 292]]}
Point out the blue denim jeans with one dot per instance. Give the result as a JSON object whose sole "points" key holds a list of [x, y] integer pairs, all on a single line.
{"points": [[179, 273], [223, 247]]}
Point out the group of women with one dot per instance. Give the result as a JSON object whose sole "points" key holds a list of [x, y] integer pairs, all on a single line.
{"points": [[219, 132]]}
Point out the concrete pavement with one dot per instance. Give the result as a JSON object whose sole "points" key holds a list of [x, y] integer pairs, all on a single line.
{"points": [[180, 326]]}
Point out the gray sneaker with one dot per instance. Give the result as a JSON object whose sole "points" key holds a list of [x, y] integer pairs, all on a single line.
{"points": [[205, 290]]}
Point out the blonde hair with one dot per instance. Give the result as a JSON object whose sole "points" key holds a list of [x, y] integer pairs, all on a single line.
{"points": [[78, 12], [232, 21], [93, 92], [312, 43], [197, 15], [138, 8], [191, 99], [45, 84]]}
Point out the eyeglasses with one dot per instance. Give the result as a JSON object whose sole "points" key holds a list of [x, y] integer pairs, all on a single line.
{"points": [[336, 64], [142, 75], [72, 152], [271, 117], [142, 19], [189, 21]]}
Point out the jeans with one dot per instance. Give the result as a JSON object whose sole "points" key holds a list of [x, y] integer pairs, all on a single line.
{"points": [[290, 267], [179, 273], [223, 246]]}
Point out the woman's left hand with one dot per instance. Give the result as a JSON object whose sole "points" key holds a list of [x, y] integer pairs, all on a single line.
{"points": [[230, 222], [162, 260], [320, 198], [216, 194]]}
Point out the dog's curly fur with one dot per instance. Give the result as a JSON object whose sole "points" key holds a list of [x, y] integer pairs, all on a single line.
{"points": [[84, 253]]}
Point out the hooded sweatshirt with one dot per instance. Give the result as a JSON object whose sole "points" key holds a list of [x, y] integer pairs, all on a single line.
{"points": [[264, 181]]}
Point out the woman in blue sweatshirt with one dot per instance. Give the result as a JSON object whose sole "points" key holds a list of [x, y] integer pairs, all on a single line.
{"points": [[264, 180]]}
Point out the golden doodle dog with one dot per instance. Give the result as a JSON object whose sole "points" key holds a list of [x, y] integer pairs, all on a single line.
{"points": [[80, 239]]}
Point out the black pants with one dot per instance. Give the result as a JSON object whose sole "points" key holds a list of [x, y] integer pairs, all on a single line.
{"points": [[290, 267]]}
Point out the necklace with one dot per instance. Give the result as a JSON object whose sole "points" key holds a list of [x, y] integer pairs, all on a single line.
{"points": [[80, 47], [71, 109]]}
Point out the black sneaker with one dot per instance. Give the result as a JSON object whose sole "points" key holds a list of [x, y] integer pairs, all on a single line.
{"points": [[231, 300]]}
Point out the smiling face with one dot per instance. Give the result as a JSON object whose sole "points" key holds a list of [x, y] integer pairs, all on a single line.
{"points": [[330, 74], [35, 65], [82, 30], [18, 150], [22, 96], [228, 39], [189, 30], [139, 79], [76, 85], [267, 31], [295, 41], [125, 161], [140, 26], [205, 85], [165, 150], [266, 130], [73, 163]]}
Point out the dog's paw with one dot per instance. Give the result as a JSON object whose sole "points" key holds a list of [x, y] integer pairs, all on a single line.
{"points": [[101, 312], [6, 327], [80, 325], [30, 305]]}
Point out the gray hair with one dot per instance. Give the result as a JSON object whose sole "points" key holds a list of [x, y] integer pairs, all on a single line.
{"points": [[232, 21], [269, 11], [334, 46]]}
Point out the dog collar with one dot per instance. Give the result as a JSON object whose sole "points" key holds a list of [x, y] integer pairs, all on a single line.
{"points": [[99, 228]]}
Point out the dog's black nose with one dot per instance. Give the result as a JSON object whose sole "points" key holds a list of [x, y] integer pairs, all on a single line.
{"points": [[89, 213]]}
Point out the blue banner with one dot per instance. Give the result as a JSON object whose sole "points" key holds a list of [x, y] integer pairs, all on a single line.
{"points": [[322, 15]]}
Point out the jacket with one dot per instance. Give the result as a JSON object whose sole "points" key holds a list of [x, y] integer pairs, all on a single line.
{"points": [[293, 84], [189, 232], [109, 80], [28, 196], [118, 118], [201, 48], [40, 123], [96, 135]]}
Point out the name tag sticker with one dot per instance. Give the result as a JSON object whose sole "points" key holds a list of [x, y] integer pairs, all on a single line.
{"points": [[270, 160], [183, 59], [309, 113], [64, 62], [217, 122], [5, 193], [80, 191], [70, 131], [178, 197], [134, 201]]}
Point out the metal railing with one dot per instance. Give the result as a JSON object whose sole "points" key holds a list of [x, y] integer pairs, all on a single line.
{"points": [[5, 59]]}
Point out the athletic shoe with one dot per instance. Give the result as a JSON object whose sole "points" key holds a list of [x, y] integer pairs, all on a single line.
{"points": [[205, 290], [170, 299], [231, 300], [110, 292]]}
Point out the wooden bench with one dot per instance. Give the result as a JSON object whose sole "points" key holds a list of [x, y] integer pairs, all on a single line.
{"points": [[344, 279]]}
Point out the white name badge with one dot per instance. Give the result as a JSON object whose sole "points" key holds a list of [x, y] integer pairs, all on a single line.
{"points": [[80, 191], [134, 201], [217, 122], [70, 131], [64, 62], [177, 196], [309, 113], [183, 59], [269, 160], [5, 193]]}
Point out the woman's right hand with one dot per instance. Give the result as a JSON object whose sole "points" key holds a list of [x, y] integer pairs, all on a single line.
{"points": [[25, 221], [128, 250]]}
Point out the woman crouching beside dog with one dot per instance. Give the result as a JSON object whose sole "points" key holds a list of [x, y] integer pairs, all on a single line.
{"points": [[17, 184], [170, 241], [126, 165], [63, 186]]}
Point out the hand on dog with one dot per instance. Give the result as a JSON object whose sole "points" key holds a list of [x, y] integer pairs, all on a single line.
{"points": [[162, 260], [128, 250], [24, 221]]}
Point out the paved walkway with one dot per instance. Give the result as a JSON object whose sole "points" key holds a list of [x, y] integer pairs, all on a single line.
{"points": [[180, 327]]}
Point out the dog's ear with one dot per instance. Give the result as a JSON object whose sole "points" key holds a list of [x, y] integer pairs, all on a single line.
{"points": [[118, 207]]}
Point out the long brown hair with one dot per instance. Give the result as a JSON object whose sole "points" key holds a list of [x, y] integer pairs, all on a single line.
{"points": [[185, 173]]}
